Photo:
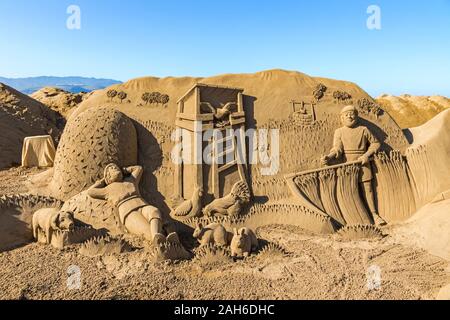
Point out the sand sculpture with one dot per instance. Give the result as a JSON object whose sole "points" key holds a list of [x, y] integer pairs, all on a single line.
{"points": [[49, 221], [121, 188], [88, 144], [212, 234], [356, 143], [111, 164], [243, 243]]}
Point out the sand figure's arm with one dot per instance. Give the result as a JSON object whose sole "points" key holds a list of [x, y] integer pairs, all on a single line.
{"points": [[135, 171], [374, 146], [98, 190], [337, 150]]}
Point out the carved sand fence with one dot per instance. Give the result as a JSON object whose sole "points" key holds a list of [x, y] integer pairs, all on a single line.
{"points": [[402, 185], [261, 215]]}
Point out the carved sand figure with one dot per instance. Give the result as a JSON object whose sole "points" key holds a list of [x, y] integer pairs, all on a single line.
{"points": [[354, 142], [212, 234], [191, 207], [231, 204], [243, 243], [49, 220], [121, 188]]}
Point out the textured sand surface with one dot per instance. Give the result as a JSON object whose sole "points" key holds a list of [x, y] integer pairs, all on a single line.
{"points": [[411, 111], [20, 117], [59, 100]]}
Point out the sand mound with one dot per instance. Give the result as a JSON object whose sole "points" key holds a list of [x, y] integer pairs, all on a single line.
{"points": [[435, 137], [428, 229], [90, 142], [59, 100], [22, 116], [268, 93], [411, 111]]}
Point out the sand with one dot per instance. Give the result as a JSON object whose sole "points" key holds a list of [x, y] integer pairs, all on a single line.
{"points": [[412, 111], [59, 100], [20, 117], [413, 262]]}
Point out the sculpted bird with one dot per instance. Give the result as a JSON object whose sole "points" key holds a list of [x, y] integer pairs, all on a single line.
{"points": [[191, 207], [222, 112]]}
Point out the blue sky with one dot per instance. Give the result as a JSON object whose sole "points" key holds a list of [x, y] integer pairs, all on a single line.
{"points": [[127, 39]]}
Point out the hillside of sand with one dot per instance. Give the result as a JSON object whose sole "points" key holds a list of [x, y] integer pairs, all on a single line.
{"points": [[20, 117], [412, 111], [59, 100]]}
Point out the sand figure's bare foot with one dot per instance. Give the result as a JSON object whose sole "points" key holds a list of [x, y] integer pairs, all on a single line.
{"points": [[173, 238], [159, 240]]}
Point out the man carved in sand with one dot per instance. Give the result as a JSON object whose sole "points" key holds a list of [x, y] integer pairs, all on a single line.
{"points": [[354, 142], [121, 188]]}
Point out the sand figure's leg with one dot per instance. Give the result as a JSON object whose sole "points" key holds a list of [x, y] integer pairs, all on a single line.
{"points": [[154, 219], [137, 224], [370, 200]]}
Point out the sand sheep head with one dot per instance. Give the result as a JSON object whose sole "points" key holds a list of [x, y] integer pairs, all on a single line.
{"points": [[62, 220], [198, 231], [113, 173], [199, 191], [240, 238]]}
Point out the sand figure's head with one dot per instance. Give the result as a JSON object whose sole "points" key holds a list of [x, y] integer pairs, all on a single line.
{"points": [[113, 173], [63, 220], [198, 231], [349, 116]]}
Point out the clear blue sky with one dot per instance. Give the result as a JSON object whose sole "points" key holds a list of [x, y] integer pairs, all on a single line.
{"points": [[126, 39]]}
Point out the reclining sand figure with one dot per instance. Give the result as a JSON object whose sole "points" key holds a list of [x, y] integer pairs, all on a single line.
{"points": [[121, 188], [354, 142]]}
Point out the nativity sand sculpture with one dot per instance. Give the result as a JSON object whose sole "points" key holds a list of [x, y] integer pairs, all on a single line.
{"points": [[111, 165]]}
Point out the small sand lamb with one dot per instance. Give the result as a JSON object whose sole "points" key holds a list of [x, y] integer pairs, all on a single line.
{"points": [[243, 243], [213, 233], [50, 220]]}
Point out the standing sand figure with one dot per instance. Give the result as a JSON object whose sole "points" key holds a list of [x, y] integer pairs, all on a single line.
{"points": [[355, 142], [120, 187]]}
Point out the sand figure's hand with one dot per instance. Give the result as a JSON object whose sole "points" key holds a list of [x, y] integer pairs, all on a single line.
{"points": [[364, 159], [325, 160]]}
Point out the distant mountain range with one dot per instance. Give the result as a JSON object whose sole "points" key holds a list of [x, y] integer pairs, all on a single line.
{"points": [[71, 84]]}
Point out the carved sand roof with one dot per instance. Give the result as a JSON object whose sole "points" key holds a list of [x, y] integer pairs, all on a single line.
{"points": [[203, 85]]}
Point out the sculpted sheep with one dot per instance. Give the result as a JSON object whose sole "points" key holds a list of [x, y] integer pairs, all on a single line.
{"points": [[213, 233], [50, 220], [243, 243]]}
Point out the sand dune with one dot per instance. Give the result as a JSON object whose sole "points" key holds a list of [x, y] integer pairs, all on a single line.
{"points": [[59, 100], [22, 116], [270, 92], [428, 228], [411, 111]]}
